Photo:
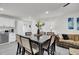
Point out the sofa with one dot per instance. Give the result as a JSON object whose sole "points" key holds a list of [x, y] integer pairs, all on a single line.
{"points": [[70, 40]]}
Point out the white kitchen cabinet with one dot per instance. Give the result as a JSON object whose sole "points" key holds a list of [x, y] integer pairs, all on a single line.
{"points": [[12, 37], [7, 22]]}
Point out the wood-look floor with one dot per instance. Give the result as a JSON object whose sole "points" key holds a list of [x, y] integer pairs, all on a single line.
{"points": [[10, 49]]}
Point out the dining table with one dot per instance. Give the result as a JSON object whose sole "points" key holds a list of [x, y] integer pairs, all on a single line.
{"points": [[39, 40]]}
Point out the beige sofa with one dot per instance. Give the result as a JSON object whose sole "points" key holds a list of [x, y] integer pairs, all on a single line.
{"points": [[73, 41]]}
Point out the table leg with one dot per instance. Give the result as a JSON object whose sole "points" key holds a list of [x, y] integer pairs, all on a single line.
{"points": [[40, 49], [17, 49]]}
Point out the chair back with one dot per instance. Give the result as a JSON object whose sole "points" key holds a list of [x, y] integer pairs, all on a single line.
{"points": [[18, 39], [57, 38], [43, 33], [47, 43], [50, 33], [28, 33], [52, 40], [26, 44]]}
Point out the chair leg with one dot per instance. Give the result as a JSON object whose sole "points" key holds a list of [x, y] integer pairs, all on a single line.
{"points": [[19, 49], [42, 51], [23, 51], [17, 52], [52, 50], [48, 51], [54, 47]]}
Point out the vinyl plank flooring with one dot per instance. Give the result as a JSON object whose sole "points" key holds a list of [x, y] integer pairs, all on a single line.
{"points": [[10, 49]]}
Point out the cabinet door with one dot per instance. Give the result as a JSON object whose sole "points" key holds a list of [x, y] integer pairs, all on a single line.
{"points": [[12, 37], [4, 38]]}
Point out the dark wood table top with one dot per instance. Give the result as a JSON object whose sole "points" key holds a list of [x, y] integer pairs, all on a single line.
{"points": [[41, 39]]}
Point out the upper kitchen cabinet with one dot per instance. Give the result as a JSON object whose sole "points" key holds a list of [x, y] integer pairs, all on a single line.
{"points": [[7, 22]]}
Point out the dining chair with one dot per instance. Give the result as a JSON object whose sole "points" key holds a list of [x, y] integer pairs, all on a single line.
{"points": [[52, 44], [43, 33], [50, 33], [28, 33], [19, 44], [46, 45], [54, 40], [28, 47]]}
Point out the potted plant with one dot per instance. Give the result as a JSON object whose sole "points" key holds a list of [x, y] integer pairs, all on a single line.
{"points": [[39, 25]]}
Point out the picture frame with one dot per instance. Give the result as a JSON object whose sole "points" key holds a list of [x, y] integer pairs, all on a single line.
{"points": [[78, 23], [70, 23]]}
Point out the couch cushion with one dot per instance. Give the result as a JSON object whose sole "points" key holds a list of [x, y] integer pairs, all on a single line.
{"points": [[71, 37], [70, 42], [76, 37], [76, 43], [66, 41]]}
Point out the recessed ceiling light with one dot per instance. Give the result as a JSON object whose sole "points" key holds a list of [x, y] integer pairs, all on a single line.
{"points": [[46, 12], [1, 9]]}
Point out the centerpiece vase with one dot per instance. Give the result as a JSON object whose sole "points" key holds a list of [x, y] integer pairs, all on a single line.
{"points": [[38, 31]]}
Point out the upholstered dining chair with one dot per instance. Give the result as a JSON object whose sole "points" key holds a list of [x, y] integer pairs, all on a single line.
{"points": [[18, 40], [43, 33], [46, 45], [50, 33], [49, 46], [54, 40], [28, 33], [52, 44], [28, 47]]}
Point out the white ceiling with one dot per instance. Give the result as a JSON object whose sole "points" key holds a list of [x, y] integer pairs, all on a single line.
{"points": [[24, 10]]}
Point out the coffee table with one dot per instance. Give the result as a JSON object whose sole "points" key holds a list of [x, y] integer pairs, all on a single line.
{"points": [[73, 51]]}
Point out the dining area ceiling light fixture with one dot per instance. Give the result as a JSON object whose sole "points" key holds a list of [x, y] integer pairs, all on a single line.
{"points": [[46, 12], [1, 9]]}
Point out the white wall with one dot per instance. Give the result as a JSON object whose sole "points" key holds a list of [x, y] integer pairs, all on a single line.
{"points": [[23, 26], [62, 20], [59, 21], [62, 24], [49, 26]]}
